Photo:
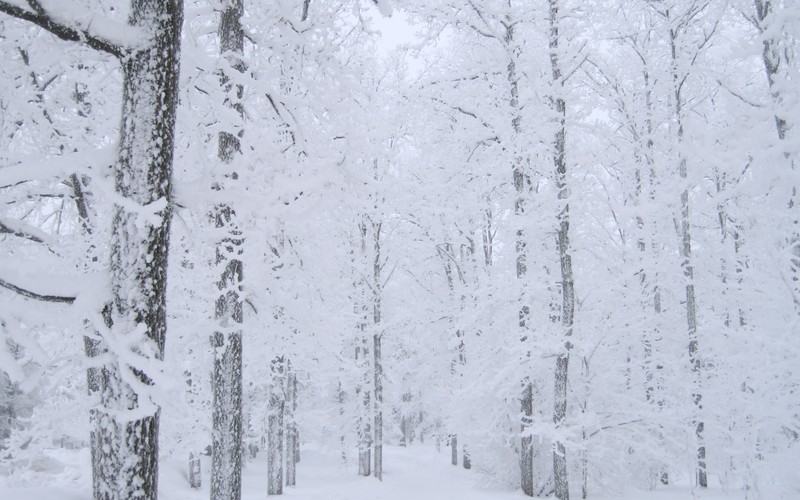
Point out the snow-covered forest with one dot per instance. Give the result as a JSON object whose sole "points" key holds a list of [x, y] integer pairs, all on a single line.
{"points": [[247, 245]]}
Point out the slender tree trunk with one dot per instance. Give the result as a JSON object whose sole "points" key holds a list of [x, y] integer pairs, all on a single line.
{"points": [[377, 362], [362, 362], [291, 426], [226, 462], [688, 273], [275, 421], [364, 431], [195, 479], [521, 187], [526, 443], [453, 449], [560, 470]]}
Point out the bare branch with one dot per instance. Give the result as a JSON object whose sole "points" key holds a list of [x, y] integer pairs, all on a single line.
{"points": [[20, 231], [35, 296], [41, 18]]}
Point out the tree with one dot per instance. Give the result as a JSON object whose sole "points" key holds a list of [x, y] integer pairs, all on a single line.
{"points": [[125, 464], [560, 471], [226, 434]]}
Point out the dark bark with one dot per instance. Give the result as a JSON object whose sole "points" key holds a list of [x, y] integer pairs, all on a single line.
{"points": [[127, 468], [125, 423], [40, 17], [226, 462], [28, 294]]}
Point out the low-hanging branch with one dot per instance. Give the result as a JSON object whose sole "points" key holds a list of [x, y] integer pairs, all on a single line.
{"points": [[39, 16], [35, 296]]}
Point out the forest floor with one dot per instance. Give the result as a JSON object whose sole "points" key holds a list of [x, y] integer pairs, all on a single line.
{"points": [[416, 473]]}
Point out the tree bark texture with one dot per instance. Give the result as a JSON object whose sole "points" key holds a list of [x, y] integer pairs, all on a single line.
{"points": [[226, 463], [275, 445], [560, 470], [521, 182], [126, 424], [526, 443]]}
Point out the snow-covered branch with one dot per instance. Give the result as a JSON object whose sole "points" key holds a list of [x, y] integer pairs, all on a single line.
{"points": [[71, 31], [28, 294]]}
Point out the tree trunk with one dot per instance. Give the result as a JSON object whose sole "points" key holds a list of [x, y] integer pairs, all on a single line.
{"points": [[291, 426], [377, 365], [194, 471], [453, 449], [560, 470], [526, 443], [779, 59], [125, 465], [364, 431], [275, 449], [688, 273], [226, 464], [521, 182]]}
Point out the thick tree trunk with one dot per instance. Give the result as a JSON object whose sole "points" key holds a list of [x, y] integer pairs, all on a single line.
{"points": [[125, 463]]}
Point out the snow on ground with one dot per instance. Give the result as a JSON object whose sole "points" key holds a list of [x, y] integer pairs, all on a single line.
{"points": [[417, 473]]}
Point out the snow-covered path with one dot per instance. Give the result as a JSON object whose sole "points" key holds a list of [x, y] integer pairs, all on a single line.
{"points": [[415, 473]]}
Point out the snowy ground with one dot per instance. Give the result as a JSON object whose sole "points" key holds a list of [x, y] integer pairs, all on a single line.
{"points": [[416, 473]]}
